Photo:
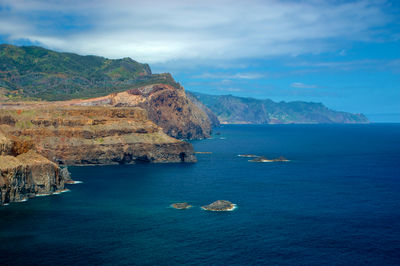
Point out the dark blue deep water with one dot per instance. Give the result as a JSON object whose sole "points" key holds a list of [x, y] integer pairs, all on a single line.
{"points": [[337, 202]]}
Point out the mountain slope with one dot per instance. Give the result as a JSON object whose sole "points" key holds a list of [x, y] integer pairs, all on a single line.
{"points": [[30, 71], [238, 110]]}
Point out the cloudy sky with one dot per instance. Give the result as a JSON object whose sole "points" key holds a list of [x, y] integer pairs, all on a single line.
{"points": [[345, 54]]}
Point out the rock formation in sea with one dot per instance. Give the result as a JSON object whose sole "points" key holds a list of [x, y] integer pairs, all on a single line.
{"points": [[181, 205], [25, 175], [220, 205]]}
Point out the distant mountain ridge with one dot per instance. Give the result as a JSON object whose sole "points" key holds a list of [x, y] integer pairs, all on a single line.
{"points": [[39, 73], [239, 110]]}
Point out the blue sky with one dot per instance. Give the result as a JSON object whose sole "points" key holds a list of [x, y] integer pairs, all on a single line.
{"points": [[345, 54]]}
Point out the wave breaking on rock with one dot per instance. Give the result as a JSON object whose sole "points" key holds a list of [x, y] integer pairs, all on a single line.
{"points": [[220, 205]]}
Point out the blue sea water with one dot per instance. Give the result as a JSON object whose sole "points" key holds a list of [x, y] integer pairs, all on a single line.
{"points": [[337, 202]]}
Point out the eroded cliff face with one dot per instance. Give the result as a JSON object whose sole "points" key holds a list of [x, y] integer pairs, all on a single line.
{"points": [[82, 135], [26, 175], [211, 116], [167, 106]]}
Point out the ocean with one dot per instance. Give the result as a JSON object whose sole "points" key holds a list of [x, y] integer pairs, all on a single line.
{"points": [[336, 202]]}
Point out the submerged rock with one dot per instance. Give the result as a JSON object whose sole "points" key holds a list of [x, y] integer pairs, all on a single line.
{"points": [[220, 205], [248, 155], [181, 205], [262, 159]]}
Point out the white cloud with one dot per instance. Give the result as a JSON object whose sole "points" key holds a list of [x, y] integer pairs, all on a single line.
{"points": [[392, 65], [229, 76], [230, 89], [299, 85], [160, 31]]}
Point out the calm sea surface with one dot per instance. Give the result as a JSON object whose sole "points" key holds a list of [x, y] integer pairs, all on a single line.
{"points": [[336, 202]]}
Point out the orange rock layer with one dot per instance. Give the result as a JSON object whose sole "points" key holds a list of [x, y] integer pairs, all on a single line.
{"points": [[80, 135]]}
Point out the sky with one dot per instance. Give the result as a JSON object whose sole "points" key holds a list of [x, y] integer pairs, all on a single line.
{"points": [[345, 54]]}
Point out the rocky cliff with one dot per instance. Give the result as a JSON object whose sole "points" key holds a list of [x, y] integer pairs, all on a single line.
{"points": [[35, 136], [214, 121], [167, 106], [26, 175], [81, 135]]}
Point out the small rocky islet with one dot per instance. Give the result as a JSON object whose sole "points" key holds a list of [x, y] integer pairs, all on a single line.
{"points": [[181, 205], [220, 205]]}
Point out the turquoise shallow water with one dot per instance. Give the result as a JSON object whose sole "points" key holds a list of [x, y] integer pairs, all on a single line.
{"points": [[336, 202]]}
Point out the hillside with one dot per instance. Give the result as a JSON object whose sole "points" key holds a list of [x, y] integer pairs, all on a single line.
{"points": [[37, 73], [238, 110]]}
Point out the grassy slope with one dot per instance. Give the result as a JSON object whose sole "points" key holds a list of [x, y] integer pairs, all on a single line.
{"points": [[37, 73]]}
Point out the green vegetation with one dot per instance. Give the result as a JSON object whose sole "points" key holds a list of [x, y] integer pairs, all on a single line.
{"points": [[239, 110], [23, 124], [30, 72]]}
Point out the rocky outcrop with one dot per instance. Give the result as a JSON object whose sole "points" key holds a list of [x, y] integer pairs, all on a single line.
{"points": [[6, 145], [26, 175], [82, 135], [175, 113], [167, 106], [220, 205], [181, 205]]}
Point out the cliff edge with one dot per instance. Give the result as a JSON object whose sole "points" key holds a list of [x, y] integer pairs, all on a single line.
{"points": [[26, 175]]}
